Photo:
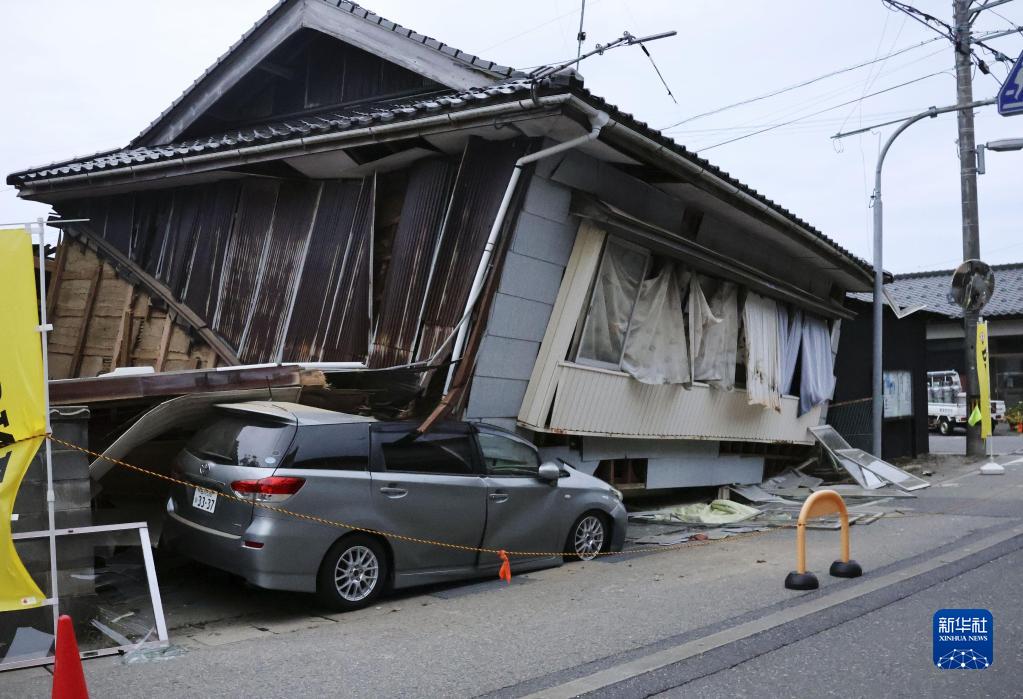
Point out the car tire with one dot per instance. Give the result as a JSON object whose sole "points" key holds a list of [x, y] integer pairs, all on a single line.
{"points": [[589, 535], [945, 427], [353, 573]]}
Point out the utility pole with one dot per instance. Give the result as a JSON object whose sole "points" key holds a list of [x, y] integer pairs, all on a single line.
{"points": [[968, 189]]}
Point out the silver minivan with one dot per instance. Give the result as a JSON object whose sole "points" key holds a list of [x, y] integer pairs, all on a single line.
{"points": [[465, 484]]}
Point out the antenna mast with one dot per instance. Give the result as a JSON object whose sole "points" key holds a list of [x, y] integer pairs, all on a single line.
{"points": [[581, 36]]}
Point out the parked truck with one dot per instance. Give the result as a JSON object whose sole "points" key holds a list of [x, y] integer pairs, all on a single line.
{"points": [[946, 403]]}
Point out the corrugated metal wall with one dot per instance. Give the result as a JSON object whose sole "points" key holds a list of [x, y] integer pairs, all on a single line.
{"points": [[482, 178], [282, 270]]}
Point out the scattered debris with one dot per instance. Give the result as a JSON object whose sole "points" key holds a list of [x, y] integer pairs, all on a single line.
{"points": [[715, 512]]}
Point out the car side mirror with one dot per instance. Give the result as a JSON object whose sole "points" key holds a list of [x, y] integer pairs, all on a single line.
{"points": [[549, 473]]}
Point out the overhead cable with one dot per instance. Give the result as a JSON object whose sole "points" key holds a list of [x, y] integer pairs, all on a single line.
{"points": [[822, 111], [798, 85]]}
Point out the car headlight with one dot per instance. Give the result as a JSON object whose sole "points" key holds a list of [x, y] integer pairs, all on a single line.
{"points": [[615, 494]]}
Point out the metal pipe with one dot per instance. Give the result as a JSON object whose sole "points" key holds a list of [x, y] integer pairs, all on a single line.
{"points": [[44, 328], [598, 120]]}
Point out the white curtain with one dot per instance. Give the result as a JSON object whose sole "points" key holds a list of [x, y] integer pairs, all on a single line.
{"points": [[713, 331], [763, 358], [655, 349], [817, 378], [790, 327], [621, 271]]}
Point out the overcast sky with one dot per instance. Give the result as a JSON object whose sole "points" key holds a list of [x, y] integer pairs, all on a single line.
{"points": [[81, 77]]}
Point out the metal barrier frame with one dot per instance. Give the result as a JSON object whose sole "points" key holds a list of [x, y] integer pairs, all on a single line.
{"points": [[154, 592]]}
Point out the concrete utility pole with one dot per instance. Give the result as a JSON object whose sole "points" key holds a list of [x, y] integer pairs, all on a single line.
{"points": [[968, 189]]}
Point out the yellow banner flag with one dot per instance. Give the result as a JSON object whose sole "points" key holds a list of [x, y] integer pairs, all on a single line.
{"points": [[17, 589], [984, 380], [22, 418]]}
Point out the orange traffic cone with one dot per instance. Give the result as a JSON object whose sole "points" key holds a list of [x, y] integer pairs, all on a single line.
{"points": [[68, 678]]}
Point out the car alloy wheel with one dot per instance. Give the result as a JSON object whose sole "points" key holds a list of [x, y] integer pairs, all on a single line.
{"points": [[353, 573], [588, 537], [356, 574]]}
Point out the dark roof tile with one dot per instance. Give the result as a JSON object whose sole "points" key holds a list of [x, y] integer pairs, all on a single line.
{"points": [[931, 290]]}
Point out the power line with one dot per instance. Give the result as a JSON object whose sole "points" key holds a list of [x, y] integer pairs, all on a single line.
{"points": [[822, 111], [796, 86], [846, 91]]}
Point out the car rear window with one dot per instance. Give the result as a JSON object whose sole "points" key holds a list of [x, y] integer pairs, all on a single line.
{"points": [[243, 441]]}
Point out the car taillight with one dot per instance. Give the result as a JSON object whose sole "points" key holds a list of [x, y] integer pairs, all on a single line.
{"points": [[270, 488]]}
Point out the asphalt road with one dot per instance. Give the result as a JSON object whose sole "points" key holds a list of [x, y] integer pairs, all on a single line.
{"points": [[1004, 443], [887, 652], [554, 627]]}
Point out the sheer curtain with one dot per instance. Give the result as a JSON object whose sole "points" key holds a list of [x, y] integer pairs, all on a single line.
{"points": [[713, 331], [655, 349], [763, 358], [614, 294], [817, 378]]}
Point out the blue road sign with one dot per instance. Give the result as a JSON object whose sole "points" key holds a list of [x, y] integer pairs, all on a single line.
{"points": [[1010, 97]]}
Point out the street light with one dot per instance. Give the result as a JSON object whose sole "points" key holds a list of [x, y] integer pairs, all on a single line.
{"points": [[877, 363], [1006, 144]]}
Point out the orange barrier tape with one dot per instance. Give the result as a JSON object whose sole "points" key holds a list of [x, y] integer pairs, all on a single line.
{"points": [[502, 553]]}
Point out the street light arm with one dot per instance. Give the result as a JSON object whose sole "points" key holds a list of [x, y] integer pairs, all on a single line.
{"points": [[878, 387]]}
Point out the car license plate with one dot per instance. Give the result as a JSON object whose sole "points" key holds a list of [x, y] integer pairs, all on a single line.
{"points": [[204, 500]]}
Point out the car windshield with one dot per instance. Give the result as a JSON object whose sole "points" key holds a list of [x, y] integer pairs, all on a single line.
{"points": [[242, 441]]}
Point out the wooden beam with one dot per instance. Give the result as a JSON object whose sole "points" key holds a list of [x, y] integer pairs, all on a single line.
{"points": [[90, 303], [121, 350], [56, 277], [168, 327]]}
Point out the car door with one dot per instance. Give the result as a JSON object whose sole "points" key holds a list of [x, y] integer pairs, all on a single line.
{"points": [[523, 512], [429, 487]]}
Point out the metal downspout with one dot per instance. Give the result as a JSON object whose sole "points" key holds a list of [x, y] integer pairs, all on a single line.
{"points": [[598, 120]]}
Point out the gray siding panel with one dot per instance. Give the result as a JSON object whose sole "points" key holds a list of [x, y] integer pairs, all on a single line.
{"points": [[504, 358], [529, 278], [548, 199], [544, 239], [491, 398], [519, 319]]}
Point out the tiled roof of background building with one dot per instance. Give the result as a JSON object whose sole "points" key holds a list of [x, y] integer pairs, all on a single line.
{"points": [[931, 289]]}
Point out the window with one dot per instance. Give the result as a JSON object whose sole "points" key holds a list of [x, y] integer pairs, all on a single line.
{"points": [[439, 452], [242, 440], [332, 447], [612, 301], [507, 457]]}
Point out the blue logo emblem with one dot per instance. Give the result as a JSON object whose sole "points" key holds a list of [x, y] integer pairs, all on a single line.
{"points": [[964, 639]]}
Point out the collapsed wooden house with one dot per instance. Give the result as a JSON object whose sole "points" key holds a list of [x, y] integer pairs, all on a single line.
{"points": [[398, 227]]}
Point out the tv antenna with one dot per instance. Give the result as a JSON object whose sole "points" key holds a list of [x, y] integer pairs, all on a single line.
{"points": [[626, 39]]}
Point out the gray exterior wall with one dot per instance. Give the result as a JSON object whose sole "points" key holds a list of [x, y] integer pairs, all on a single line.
{"points": [[541, 244]]}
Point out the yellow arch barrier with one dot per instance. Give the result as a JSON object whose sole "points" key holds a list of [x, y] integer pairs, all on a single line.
{"points": [[823, 502]]}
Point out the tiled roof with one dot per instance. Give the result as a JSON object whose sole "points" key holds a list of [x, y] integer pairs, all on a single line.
{"points": [[334, 121], [931, 290], [355, 10], [360, 116]]}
